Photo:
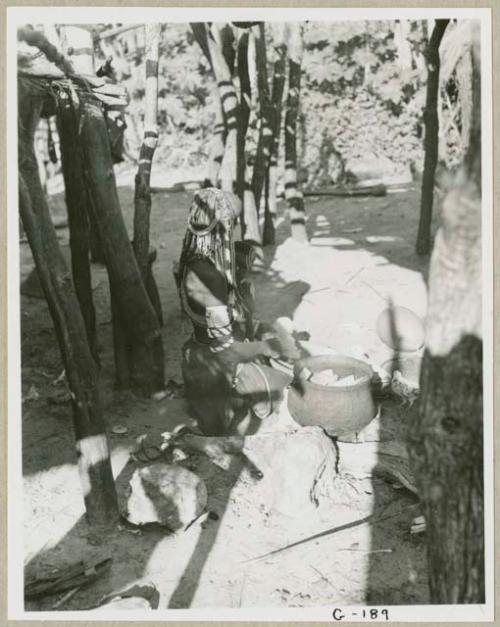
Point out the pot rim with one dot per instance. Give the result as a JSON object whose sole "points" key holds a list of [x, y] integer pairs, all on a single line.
{"points": [[362, 381]]}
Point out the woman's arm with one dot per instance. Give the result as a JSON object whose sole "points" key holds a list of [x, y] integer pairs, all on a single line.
{"points": [[244, 352], [206, 289]]}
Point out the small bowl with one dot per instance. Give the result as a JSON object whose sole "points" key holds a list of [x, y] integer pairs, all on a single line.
{"points": [[340, 409]]}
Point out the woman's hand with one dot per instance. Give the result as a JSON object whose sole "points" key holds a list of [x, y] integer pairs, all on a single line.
{"points": [[243, 352], [271, 347]]}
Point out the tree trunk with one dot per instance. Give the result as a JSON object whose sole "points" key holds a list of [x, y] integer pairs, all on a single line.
{"points": [[279, 77], [446, 449], [431, 139], [91, 441], [445, 437], [137, 315], [142, 198], [293, 194], [78, 211]]}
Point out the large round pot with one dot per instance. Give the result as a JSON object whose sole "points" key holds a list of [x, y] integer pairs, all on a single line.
{"points": [[340, 410]]}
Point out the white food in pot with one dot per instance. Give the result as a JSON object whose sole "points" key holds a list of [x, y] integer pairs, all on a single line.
{"points": [[329, 378]]}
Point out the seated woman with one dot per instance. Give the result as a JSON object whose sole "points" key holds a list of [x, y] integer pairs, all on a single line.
{"points": [[229, 386]]}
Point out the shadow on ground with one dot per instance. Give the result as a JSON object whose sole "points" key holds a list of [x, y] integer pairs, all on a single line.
{"points": [[340, 224]]}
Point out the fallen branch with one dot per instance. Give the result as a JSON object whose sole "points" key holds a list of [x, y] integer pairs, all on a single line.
{"points": [[328, 532], [69, 578], [369, 190], [177, 187]]}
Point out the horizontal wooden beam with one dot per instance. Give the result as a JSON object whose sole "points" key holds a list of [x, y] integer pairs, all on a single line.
{"points": [[113, 32]]}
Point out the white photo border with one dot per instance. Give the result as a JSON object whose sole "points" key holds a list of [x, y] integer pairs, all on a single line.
{"points": [[66, 14]]}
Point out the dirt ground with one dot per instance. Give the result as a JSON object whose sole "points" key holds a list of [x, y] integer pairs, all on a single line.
{"points": [[361, 251]]}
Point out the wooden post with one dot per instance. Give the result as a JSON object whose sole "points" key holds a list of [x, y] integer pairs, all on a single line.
{"points": [[218, 144], [251, 231], [121, 344], [227, 156], [293, 194], [230, 107], [247, 126], [279, 77], [445, 438], [245, 101], [228, 41], [96, 254], [431, 139], [137, 315], [142, 199], [78, 45], [91, 441], [217, 147], [265, 113], [78, 210]]}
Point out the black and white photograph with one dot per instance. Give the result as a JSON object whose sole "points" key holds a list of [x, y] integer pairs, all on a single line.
{"points": [[250, 314]]}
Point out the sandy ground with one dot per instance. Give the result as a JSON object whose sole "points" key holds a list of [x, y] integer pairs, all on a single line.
{"points": [[361, 251]]}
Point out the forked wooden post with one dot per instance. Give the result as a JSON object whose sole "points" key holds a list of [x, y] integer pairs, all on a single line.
{"points": [[91, 441]]}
